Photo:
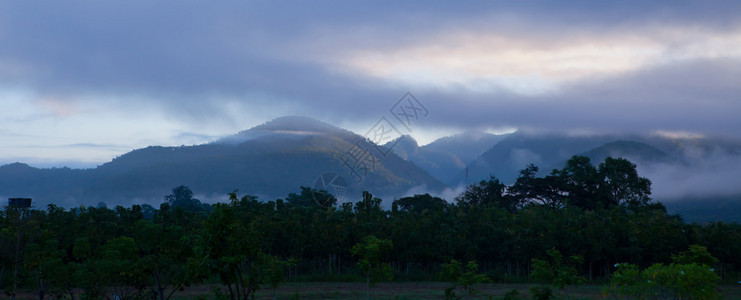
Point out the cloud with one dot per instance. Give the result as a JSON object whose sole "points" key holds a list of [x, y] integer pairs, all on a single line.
{"points": [[523, 157], [697, 96], [145, 72], [526, 64], [708, 173]]}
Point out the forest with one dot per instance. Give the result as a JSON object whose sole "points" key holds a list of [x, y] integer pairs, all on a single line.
{"points": [[593, 220]]}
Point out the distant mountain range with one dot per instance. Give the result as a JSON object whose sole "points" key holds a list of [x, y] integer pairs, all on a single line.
{"points": [[270, 160], [446, 157], [550, 151], [276, 158]]}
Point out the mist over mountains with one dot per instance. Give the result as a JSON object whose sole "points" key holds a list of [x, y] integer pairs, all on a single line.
{"points": [[276, 158], [445, 157], [270, 160]]}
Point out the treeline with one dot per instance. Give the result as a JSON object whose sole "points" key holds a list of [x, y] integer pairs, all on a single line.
{"points": [[604, 214]]}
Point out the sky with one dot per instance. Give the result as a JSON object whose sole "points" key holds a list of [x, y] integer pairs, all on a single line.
{"points": [[82, 82]]}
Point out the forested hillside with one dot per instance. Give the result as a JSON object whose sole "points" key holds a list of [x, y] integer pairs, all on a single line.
{"points": [[269, 160], [272, 159]]}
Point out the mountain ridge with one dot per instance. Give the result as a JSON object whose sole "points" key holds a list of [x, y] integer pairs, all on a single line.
{"points": [[269, 166], [276, 158], [446, 156]]}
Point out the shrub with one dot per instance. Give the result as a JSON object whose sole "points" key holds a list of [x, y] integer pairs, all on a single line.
{"points": [[675, 281], [541, 293]]}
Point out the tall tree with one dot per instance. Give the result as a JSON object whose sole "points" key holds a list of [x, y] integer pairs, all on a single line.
{"points": [[582, 183], [490, 192], [117, 265], [419, 204], [547, 191], [466, 276], [163, 252], [231, 246], [182, 197], [371, 253], [622, 185]]}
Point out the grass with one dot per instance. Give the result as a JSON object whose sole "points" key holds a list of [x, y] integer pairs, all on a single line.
{"points": [[415, 290], [399, 291]]}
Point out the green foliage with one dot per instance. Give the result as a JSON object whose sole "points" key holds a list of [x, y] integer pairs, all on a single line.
{"points": [[230, 246], [682, 281], [116, 267], [557, 270], [182, 197], [371, 252], [696, 254], [511, 295], [626, 281], [218, 294], [163, 252], [273, 270], [308, 198], [465, 276], [580, 180], [489, 192], [43, 260], [621, 185], [547, 191], [580, 184], [675, 281], [421, 204], [541, 292], [247, 244]]}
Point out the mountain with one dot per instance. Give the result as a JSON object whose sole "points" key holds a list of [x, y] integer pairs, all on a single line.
{"points": [[706, 209], [438, 164], [513, 153], [694, 176], [269, 160], [445, 157], [466, 146], [636, 152], [286, 128], [550, 150]]}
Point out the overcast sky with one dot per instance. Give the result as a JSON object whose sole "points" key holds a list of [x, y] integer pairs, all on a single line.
{"points": [[84, 81]]}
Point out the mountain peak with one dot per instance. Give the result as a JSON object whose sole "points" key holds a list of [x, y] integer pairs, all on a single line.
{"points": [[405, 141], [473, 135], [290, 126], [467, 146], [404, 146], [636, 152], [17, 166], [296, 123]]}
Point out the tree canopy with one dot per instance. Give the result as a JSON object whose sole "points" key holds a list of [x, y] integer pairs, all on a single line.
{"points": [[601, 214]]}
